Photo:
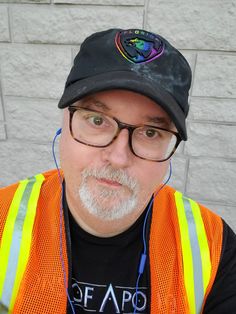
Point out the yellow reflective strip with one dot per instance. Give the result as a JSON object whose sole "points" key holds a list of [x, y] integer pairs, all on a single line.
{"points": [[8, 231], [203, 244], [26, 236], [187, 252]]}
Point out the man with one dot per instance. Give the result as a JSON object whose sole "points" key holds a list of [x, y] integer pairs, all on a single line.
{"points": [[106, 234]]}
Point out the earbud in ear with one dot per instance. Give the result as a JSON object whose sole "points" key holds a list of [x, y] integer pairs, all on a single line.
{"points": [[58, 132]]}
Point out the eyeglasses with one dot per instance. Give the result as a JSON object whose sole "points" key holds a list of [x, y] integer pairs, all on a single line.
{"points": [[97, 129]]}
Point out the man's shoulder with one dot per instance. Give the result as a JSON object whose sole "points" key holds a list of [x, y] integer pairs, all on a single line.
{"points": [[46, 184], [46, 177], [173, 198], [7, 193]]}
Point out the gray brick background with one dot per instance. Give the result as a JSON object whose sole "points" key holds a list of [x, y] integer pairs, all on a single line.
{"points": [[38, 40]]}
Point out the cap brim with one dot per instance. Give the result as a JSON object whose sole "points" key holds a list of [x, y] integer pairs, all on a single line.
{"points": [[128, 81]]}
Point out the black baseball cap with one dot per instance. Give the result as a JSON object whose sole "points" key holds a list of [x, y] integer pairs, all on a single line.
{"points": [[134, 60]]}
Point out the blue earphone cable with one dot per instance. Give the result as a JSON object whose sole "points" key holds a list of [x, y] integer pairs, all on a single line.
{"points": [[143, 258], [61, 219]]}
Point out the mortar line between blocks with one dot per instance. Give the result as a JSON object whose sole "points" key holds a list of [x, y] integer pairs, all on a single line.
{"points": [[145, 13], [193, 74], [9, 22], [2, 98], [186, 174]]}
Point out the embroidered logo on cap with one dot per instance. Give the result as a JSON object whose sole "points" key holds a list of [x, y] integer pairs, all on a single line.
{"points": [[138, 46]]}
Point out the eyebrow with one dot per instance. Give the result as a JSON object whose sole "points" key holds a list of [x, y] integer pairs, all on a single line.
{"points": [[91, 102], [161, 120]]}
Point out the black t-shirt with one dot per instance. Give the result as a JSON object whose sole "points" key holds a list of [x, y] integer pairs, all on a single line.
{"points": [[104, 273]]}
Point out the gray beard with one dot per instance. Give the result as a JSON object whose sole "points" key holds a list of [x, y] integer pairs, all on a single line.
{"points": [[104, 202]]}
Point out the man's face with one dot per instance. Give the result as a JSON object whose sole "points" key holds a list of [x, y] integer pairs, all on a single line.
{"points": [[111, 183]]}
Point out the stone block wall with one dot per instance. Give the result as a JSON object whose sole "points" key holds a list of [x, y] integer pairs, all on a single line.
{"points": [[38, 40]]}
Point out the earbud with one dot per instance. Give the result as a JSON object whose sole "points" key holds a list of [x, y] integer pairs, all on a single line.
{"points": [[58, 132]]}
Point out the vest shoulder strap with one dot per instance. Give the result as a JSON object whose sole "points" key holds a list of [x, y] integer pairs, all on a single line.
{"points": [[16, 239], [185, 248], [195, 251]]}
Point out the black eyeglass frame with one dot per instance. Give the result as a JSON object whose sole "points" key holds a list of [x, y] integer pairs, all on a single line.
{"points": [[121, 126]]}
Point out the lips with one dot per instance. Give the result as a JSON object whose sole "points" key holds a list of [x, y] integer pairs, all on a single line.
{"points": [[109, 182]]}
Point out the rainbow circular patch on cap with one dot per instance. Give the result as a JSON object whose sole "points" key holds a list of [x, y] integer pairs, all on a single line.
{"points": [[139, 46]]}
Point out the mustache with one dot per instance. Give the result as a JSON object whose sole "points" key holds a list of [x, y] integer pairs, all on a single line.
{"points": [[108, 173]]}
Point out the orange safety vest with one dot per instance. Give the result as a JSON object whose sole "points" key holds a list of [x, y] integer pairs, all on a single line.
{"points": [[184, 250]]}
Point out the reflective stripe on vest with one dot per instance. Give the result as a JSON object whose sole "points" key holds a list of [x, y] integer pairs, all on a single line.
{"points": [[17, 238], [195, 251]]}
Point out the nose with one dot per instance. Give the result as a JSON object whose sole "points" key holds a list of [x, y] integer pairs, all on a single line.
{"points": [[118, 153]]}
